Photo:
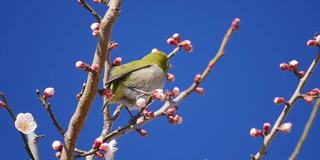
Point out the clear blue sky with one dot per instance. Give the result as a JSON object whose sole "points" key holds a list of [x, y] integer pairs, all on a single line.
{"points": [[42, 40]]}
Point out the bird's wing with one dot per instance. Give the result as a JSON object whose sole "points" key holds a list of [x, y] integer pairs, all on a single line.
{"points": [[118, 72]]}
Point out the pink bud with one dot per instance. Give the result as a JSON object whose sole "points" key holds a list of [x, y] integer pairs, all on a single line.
{"points": [[97, 1], [175, 91], [95, 33], [188, 48], [114, 45], [95, 68], [79, 2], [82, 65], [158, 94], [279, 100], [285, 127], [143, 132], [200, 90], [58, 155], [106, 92], [198, 78], [235, 25], [99, 155], [266, 128], [176, 36], [312, 42], [170, 77], [176, 119], [97, 142], [308, 98], [294, 63], [314, 92], [172, 41], [154, 50], [302, 73], [48, 92], [117, 61], [179, 120], [171, 111], [95, 26], [57, 145], [141, 102], [2, 104], [284, 66], [255, 132], [317, 38]]}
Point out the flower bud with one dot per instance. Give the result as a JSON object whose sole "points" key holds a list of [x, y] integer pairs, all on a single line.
{"points": [[285, 127], [279, 100], [294, 64], [170, 77], [58, 155], [200, 90], [2, 104], [95, 33], [97, 1], [143, 132], [154, 50], [57, 145], [314, 92], [302, 73], [158, 94], [95, 26], [117, 61], [255, 132], [198, 78], [284, 66], [172, 41], [171, 111], [114, 45], [235, 25], [266, 128], [97, 142], [175, 91], [79, 2], [312, 42], [176, 37], [141, 102], [48, 92], [308, 98], [81, 65], [95, 68]]}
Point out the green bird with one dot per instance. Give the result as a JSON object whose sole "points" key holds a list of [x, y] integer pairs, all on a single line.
{"points": [[135, 79]]}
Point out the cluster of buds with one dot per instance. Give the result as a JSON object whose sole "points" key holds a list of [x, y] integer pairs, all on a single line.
{"points": [[175, 41], [107, 149], [113, 45], [47, 93], [97, 1], [142, 132], [84, 66], [292, 66], [57, 146], [235, 25], [117, 61], [141, 103], [95, 28], [158, 94], [311, 95], [170, 77], [315, 41], [173, 118], [254, 132]]}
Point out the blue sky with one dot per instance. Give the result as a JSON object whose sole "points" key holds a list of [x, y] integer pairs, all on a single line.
{"points": [[42, 40]]}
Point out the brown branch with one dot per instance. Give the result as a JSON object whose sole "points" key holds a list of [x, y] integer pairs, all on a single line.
{"points": [[91, 10], [305, 131], [23, 136], [47, 106], [142, 120], [78, 118], [286, 109]]}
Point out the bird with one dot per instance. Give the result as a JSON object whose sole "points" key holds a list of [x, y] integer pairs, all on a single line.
{"points": [[137, 79]]}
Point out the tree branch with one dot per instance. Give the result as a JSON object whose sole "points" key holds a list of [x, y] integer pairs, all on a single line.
{"points": [[78, 118], [286, 109], [306, 130], [142, 120], [91, 10]]}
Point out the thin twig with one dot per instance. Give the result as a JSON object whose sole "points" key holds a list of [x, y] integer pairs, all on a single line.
{"points": [[297, 94], [47, 106], [91, 10], [305, 131], [141, 121], [83, 108], [13, 118]]}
